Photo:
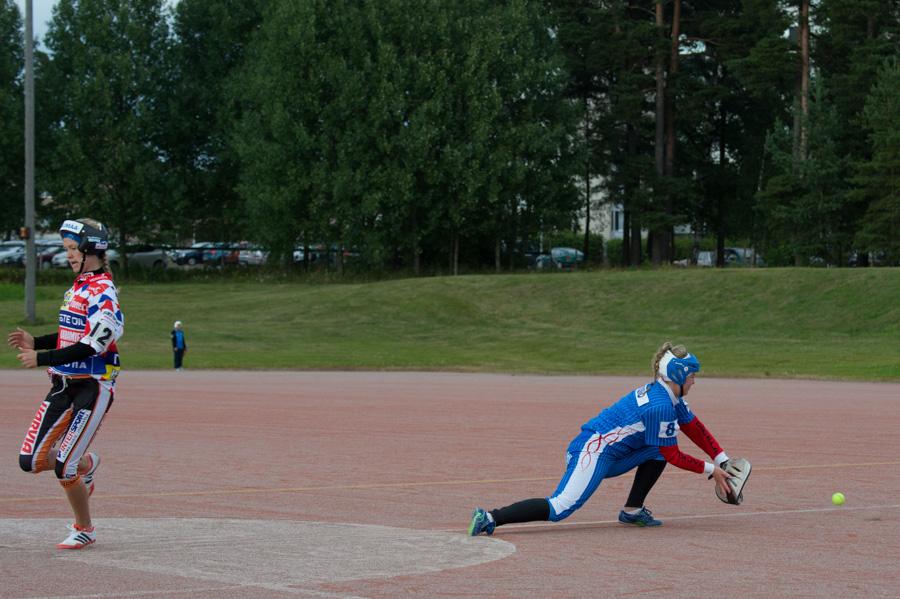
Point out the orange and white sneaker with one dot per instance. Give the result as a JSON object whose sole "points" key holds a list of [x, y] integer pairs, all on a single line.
{"points": [[88, 476], [78, 538]]}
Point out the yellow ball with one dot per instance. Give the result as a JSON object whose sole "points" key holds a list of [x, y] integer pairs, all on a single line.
{"points": [[837, 499]]}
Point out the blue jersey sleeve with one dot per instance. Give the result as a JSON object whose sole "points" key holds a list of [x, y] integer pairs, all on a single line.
{"points": [[683, 411]]}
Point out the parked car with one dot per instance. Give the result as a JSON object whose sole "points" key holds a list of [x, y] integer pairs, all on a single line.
{"points": [[734, 256], [10, 248], [560, 258], [46, 250], [738, 256], [196, 254], [252, 255], [60, 260], [146, 256], [16, 256], [316, 257], [529, 251], [567, 257], [186, 256], [704, 258], [215, 253], [233, 252], [321, 255], [707, 259], [143, 255], [13, 255]]}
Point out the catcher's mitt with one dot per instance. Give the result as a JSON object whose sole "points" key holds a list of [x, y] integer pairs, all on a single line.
{"points": [[739, 469]]}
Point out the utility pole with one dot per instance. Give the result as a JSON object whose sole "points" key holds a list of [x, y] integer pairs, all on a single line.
{"points": [[31, 257]]}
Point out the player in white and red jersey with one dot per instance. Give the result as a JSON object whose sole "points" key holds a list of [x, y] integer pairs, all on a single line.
{"points": [[82, 362], [638, 431]]}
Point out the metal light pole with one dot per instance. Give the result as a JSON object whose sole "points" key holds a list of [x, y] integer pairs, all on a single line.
{"points": [[30, 253]]}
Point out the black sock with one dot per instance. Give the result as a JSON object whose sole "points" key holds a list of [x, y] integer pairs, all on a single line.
{"points": [[644, 479], [530, 510]]}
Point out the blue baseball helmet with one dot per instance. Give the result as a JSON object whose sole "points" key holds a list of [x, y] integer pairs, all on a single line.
{"points": [[678, 370], [91, 240]]}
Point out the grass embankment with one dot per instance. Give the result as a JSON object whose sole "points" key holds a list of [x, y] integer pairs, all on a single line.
{"points": [[783, 323]]}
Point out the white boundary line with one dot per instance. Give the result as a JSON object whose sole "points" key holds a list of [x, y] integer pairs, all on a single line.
{"points": [[231, 588], [743, 514]]}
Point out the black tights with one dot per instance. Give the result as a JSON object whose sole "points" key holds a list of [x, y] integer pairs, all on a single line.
{"points": [[644, 479], [538, 509], [530, 510]]}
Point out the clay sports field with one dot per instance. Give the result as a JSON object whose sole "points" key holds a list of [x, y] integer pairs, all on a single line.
{"points": [[361, 484]]}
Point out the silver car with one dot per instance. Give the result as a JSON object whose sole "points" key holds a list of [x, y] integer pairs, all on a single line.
{"points": [[60, 260], [144, 255]]}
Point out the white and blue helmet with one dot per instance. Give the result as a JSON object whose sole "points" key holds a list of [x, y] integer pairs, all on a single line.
{"points": [[678, 370]]}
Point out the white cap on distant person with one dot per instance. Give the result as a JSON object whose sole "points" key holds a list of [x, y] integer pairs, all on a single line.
{"points": [[177, 323]]}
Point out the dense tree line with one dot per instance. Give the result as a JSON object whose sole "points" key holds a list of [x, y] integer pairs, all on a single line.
{"points": [[12, 115], [443, 133]]}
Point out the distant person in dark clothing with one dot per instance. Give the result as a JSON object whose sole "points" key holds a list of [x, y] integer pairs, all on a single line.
{"points": [[178, 345]]}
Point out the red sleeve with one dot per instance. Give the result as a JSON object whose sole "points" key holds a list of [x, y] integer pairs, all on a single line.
{"points": [[675, 457], [701, 437]]}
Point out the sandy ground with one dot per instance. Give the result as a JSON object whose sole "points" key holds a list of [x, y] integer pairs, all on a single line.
{"points": [[362, 484]]}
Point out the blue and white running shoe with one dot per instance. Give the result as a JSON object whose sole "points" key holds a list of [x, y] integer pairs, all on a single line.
{"points": [[642, 518], [481, 523]]}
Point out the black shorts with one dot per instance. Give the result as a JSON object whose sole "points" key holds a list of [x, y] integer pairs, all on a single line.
{"points": [[66, 423]]}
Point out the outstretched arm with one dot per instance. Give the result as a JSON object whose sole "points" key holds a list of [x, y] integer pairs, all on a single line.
{"points": [[682, 460], [703, 439]]}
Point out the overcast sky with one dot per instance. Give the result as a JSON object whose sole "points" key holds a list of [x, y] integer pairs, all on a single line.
{"points": [[43, 11]]}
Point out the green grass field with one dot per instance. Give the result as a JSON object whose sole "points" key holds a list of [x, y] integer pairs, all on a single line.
{"points": [[782, 323]]}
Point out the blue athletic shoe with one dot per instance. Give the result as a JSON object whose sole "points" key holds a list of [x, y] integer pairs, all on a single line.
{"points": [[642, 518], [481, 523]]}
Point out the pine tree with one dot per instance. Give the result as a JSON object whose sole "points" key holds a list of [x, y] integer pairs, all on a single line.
{"points": [[433, 128], [878, 179], [104, 82], [805, 200], [202, 170], [12, 115]]}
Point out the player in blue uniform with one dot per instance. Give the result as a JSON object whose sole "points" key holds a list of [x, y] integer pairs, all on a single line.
{"points": [[638, 431], [82, 362], [179, 347]]}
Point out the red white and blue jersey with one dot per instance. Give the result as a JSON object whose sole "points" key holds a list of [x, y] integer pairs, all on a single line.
{"points": [[90, 314], [650, 415]]}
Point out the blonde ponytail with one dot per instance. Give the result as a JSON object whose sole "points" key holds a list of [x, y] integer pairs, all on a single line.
{"points": [[679, 351], [105, 265]]}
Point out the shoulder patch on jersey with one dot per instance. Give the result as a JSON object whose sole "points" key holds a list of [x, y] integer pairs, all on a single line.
{"points": [[640, 394]]}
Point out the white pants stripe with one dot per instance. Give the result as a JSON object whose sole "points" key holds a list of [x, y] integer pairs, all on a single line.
{"points": [[586, 469]]}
